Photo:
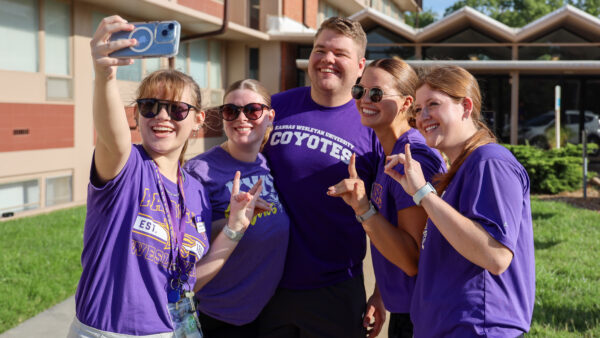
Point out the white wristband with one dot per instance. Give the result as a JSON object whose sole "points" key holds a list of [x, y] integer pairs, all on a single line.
{"points": [[232, 234], [421, 193]]}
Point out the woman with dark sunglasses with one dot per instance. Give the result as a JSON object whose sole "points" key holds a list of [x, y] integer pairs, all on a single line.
{"points": [[391, 219], [145, 245], [231, 303]]}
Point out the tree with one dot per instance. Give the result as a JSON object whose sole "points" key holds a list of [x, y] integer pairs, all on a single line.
{"points": [[518, 13], [425, 18]]}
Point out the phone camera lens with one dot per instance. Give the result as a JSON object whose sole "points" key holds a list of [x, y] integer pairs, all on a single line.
{"points": [[171, 26], [165, 32]]}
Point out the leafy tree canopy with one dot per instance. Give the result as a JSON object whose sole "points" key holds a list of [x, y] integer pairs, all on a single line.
{"points": [[425, 18], [518, 13]]}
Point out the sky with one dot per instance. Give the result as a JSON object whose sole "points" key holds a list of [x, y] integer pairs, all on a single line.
{"points": [[438, 6]]}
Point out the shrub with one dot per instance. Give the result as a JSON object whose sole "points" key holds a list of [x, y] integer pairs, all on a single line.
{"points": [[551, 171]]}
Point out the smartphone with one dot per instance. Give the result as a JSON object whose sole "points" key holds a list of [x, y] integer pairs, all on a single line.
{"points": [[154, 39]]}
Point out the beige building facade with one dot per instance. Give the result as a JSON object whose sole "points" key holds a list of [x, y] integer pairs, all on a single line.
{"points": [[46, 76]]}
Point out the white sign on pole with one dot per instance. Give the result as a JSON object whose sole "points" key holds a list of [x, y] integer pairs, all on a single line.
{"points": [[557, 115]]}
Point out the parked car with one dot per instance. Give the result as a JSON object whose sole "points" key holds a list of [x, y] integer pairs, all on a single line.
{"points": [[534, 130]]}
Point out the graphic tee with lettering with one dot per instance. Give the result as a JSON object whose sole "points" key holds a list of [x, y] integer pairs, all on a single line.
{"points": [[127, 247], [238, 293], [309, 150], [454, 297]]}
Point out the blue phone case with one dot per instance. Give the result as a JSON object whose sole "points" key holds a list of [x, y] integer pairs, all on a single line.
{"points": [[155, 39]]}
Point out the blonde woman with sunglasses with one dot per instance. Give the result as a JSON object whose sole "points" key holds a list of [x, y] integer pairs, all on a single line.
{"points": [[391, 219], [231, 303], [145, 245]]}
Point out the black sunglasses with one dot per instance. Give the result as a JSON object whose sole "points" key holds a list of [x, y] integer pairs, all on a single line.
{"points": [[253, 111], [375, 94], [177, 110]]}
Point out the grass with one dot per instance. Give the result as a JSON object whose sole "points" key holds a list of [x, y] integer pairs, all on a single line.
{"points": [[40, 263], [40, 267], [567, 249]]}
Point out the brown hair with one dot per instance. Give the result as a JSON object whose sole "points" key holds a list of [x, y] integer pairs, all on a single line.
{"points": [[173, 82], [458, 83], [405, 75], [258, 88], [346, 27]]}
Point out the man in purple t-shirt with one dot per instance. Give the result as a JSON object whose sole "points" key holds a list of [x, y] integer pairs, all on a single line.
{"points": [[316, 130]]}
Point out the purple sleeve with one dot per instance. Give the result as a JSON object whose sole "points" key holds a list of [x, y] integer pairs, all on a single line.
{"points": [[493, 196]]}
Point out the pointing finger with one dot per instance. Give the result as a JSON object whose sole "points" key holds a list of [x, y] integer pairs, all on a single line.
{"points": [[236, 183], [352, 166]]}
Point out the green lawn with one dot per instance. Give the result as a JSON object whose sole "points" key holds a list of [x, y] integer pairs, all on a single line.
{"points": [[40, 263], [567, 249], [40, 267]]}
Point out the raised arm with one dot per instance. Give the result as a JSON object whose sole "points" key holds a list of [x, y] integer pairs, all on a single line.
{"points": [[399, 244], [113, 143], [242, 211], [466, 236]]}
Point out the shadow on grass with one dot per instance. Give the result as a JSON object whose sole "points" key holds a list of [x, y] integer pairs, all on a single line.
{"points": [[537, 215], [543, 245], [567, 318]]}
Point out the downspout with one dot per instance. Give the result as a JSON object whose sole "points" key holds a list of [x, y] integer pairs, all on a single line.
{"points": [[205, 34]]}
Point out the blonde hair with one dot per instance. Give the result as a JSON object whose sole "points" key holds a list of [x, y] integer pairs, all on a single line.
{"points": [[457, 83], [348, 28], [172, 83], [258, 88]]}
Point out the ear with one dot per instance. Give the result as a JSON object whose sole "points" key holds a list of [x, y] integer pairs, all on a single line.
{"points": [[467, 104], [408, 101], [200, 116], [271, 115], [361, 66]]}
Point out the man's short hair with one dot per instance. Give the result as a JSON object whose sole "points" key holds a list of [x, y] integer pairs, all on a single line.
{"points": [[346, 27]]}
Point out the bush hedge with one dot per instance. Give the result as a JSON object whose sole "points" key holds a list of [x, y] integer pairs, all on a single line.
{"points": [[554, 170]]}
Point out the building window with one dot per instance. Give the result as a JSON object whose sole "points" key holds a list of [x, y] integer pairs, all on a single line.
{"points": [[199, 62], [215, 65], [327, 11], [204, 62], [386, 45], [59, 190], [254, 14], [57, 28], [468, 37], [253, 63], [19, 24], [19, 196]]}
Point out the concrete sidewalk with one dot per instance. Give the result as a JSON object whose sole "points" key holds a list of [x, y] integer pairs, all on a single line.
{"points": [[55, 322], [52, 323]]}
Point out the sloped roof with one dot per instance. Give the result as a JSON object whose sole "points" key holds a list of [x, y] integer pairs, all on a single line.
{"points": [[369, 17], [565, 16], [575, 19]]}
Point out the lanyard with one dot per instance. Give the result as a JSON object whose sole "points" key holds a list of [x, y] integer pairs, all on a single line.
{"points": [[177, 270]]}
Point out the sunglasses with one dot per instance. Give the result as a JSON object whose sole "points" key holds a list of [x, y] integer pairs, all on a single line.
{"points": [[375, 94], [178, 111], [253, 111]]}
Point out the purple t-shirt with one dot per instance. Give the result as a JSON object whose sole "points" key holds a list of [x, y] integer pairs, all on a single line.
{"points": [[247, 281], [308, 151], [456, 298], [389, 197], [126, 248]]}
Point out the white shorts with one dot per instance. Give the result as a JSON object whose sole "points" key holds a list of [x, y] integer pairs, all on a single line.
{"points": [[79, 330]]}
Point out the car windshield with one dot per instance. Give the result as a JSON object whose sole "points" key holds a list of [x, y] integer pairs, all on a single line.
{"points": [[541, 120]]}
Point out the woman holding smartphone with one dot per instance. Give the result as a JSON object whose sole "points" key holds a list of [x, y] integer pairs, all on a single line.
{"points": [[391, 219], [230, 304], [476, 268], [147, 227]]}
